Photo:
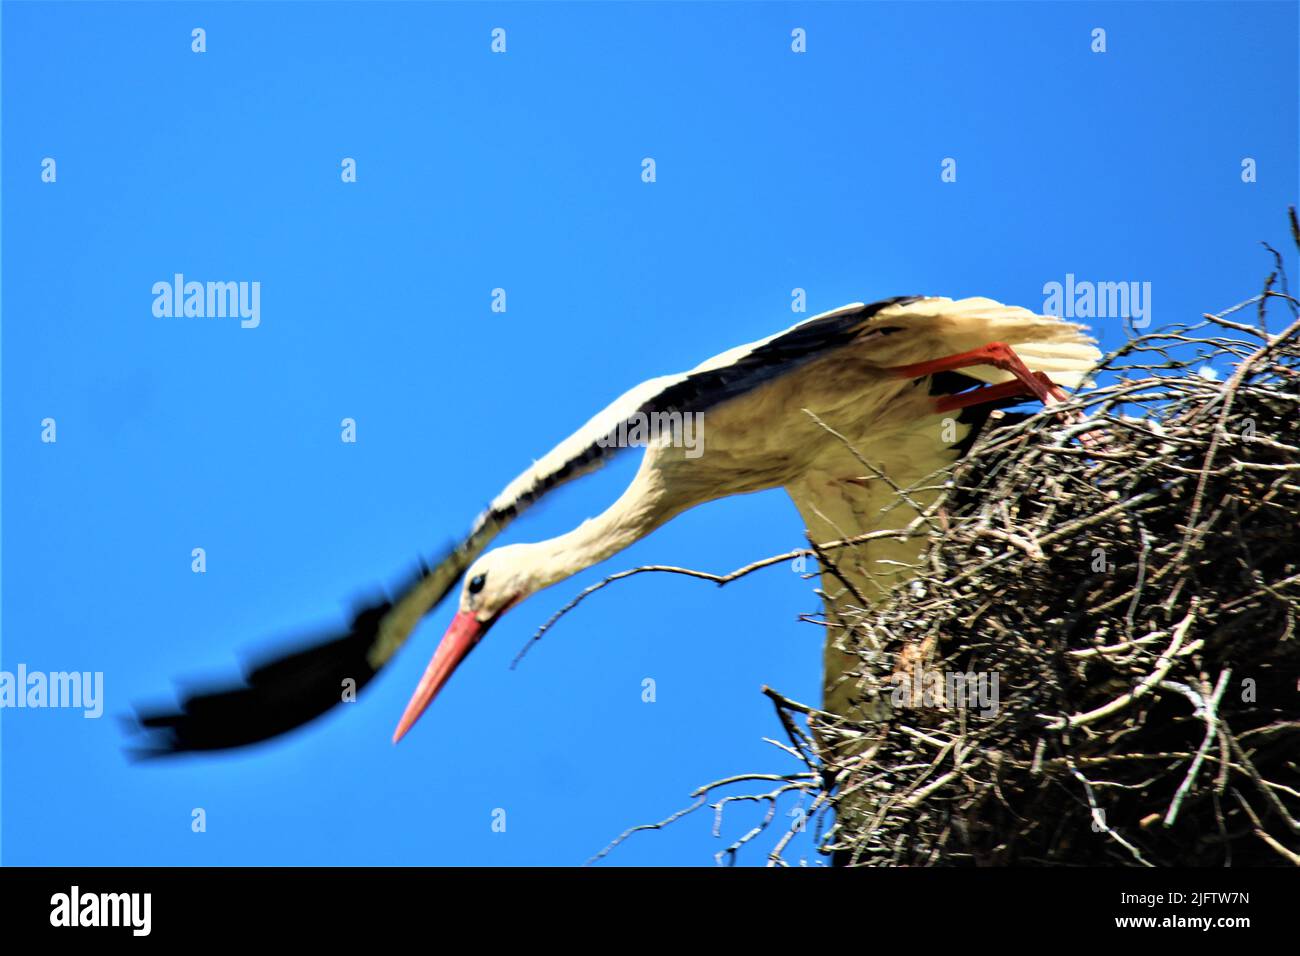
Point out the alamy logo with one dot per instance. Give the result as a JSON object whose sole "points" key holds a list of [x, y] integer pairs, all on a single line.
{"points": [[103, 909], [1083, 299], [970, 690], [681, 429], [208, 300], [73, 689]]}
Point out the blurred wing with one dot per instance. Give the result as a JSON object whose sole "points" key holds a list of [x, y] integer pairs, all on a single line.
{"points": [[290, 688]]}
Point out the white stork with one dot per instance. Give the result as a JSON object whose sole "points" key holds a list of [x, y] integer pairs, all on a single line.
{"points": [[883, 380]]}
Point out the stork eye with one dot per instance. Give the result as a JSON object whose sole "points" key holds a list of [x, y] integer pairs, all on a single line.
{"points": [[476, 584]]}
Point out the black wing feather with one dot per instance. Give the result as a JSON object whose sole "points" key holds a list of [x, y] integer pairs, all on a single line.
{"points": [[285, 689]]}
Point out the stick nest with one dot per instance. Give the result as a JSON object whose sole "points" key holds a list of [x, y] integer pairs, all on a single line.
{"points": [[1137, 603]]}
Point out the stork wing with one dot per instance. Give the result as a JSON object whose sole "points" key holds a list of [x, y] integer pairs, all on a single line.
{"points": [[709, 384], [290, 688]]}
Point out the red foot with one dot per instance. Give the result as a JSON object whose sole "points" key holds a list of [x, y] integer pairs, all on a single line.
{"points": [[994, 393], [1000, 356]]}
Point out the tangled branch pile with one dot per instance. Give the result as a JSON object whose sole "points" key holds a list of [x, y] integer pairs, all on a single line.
{"points": [[1136, 604]]}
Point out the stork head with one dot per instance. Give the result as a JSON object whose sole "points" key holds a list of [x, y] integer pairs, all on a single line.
{"points": [[493, 584]]}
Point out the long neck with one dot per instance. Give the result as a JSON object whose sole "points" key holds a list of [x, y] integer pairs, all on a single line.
{"points": [[641, 509]]}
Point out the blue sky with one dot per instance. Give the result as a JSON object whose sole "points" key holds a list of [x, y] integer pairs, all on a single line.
{"points": [[520, 171]]}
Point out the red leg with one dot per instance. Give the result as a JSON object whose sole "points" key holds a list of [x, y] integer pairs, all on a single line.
{"points": [[1000, 356], [989, 393]]}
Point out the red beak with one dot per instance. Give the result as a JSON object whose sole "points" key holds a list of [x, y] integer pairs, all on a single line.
{"points": [[465, 631]]}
